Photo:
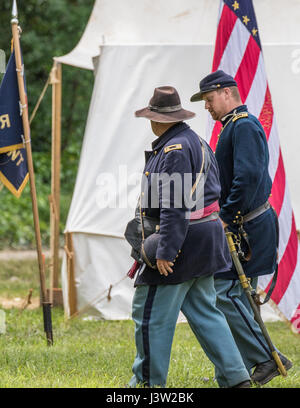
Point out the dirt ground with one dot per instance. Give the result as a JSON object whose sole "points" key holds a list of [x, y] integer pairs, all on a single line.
{"points": [[18, 302], [10, 254]]}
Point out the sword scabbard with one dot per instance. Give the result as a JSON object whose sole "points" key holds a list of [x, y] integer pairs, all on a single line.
{"points": [[248, 289]]}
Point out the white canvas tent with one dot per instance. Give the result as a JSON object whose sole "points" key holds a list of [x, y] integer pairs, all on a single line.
{"points": [[133, 46]]}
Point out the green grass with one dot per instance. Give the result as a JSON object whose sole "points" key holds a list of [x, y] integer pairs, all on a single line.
{"points": [[17, 277], [100, 353]]}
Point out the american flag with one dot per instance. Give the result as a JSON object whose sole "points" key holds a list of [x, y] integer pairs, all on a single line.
{"points": [[238, 52]]}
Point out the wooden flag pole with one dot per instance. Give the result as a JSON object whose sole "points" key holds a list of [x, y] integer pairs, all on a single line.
{"points": [[26, 128], [56, 82]]}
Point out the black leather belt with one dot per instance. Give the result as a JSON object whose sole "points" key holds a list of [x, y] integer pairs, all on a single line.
{"points": [[258, 211], [211, 217], [241, 219]]}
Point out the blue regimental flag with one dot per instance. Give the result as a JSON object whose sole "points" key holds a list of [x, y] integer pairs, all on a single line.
{"points": [[13, 170], [11, 127], [13, 160]]}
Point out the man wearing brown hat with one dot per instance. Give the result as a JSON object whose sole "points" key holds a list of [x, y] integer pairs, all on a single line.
{"points": [[180, 188]]}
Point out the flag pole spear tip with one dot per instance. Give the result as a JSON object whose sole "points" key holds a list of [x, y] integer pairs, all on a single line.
{"points": [[14, 12]]}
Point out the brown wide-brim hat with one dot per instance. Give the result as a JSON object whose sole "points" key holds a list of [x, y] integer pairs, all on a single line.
{"points": [[165, 107]]}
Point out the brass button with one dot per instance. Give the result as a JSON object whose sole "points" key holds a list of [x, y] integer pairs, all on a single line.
{"points": [[238, 212], [155, 152], [234, 221], [144, 213], [147, 173]]}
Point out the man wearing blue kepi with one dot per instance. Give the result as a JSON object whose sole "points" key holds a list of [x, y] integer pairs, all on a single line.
{"points": [[243, 158], [180, 189]]}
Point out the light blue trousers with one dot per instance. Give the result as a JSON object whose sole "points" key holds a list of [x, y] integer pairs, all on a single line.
{"points": [[232, 301], [155, 313]]}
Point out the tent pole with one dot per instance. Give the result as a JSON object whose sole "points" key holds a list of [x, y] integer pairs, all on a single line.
{"points": [[56, 82], [72, 297]]}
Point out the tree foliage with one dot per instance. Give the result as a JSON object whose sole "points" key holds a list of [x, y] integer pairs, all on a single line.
{"points": [[49, 28]]}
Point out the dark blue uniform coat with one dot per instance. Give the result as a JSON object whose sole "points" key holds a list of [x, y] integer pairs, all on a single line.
{"points": [[243, 158], [201, 249]]}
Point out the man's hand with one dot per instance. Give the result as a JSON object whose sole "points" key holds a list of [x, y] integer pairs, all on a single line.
{"points": [[164, 267]]}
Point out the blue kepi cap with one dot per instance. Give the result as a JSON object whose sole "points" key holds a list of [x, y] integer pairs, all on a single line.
{"points": [[212, 82]]}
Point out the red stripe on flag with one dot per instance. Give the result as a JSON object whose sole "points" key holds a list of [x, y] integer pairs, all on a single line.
{"points": [[247, 69], [287, 266], [225, 27], [267, 114], [295, 320], [278, 187]]}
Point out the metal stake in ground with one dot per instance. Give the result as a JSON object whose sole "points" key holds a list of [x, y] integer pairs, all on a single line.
{"points": [[26, 129], [248, 291]]}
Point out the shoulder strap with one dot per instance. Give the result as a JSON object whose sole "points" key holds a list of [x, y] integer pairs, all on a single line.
{"points": [[270, 291], [201, 170], [239, 116], [170, 148]]}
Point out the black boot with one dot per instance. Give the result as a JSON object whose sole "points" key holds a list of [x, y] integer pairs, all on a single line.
{"points": [[244, 384], [264, 372]]}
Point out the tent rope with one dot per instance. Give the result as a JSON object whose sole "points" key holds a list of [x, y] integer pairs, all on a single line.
{"points": [[68, 252], [98, 298], [39, 101]]}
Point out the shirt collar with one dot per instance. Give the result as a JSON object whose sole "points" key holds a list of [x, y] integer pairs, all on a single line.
{"points": [[241, 108], [171, 132]]}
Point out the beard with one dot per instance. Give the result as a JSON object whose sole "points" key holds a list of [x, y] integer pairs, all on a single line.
{"points": [[214, 115]]}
